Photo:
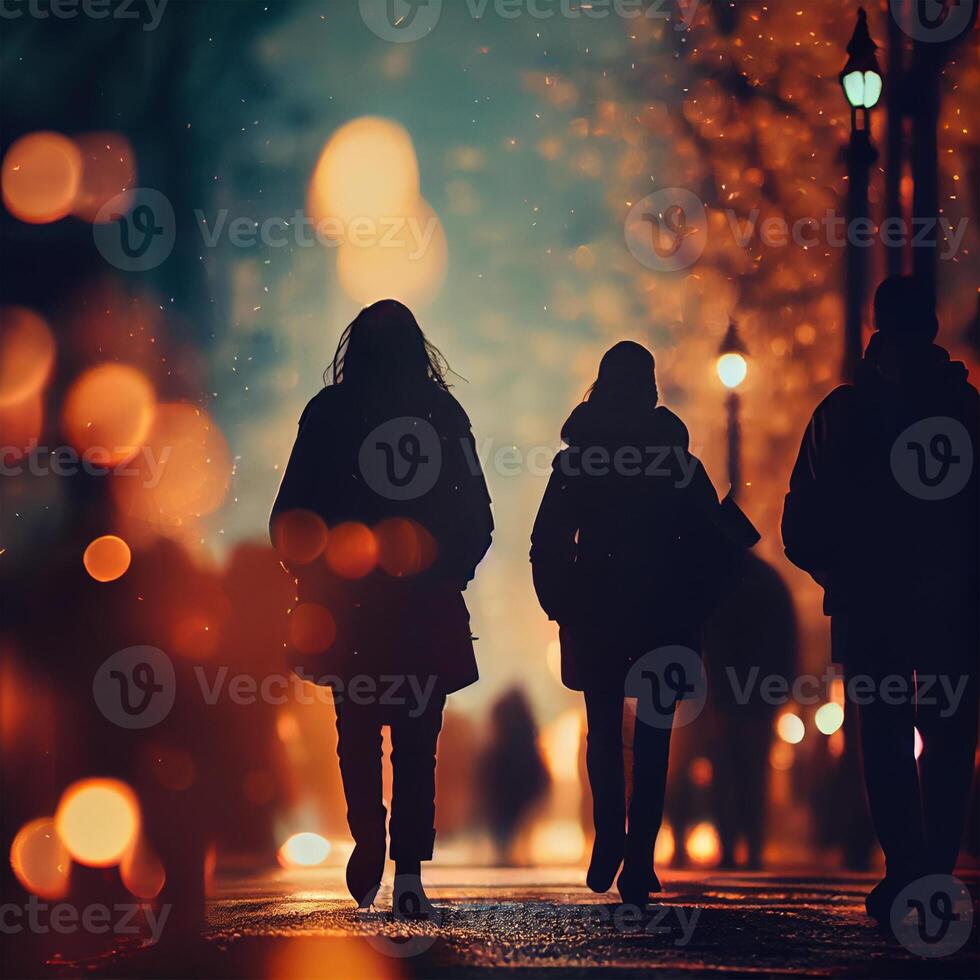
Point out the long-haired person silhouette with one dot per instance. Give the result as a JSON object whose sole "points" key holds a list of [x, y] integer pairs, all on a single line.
{"points": [[628, 557], [382, 516]]}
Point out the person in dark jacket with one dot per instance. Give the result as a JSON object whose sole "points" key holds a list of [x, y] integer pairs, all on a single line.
{"points": [[620, 561], [383, 516], [883, 512]]}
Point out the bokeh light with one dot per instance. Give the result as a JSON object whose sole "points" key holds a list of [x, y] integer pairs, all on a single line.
{"points": [[312, 628], [183, 472], [299, 536], [368, 169], [732, 369], [703, 845], [98, 820], [40, 177], [409, 265], [305, 850], [404, 547], [829, 717], [108, 170], [790, 728], [557, 842], [27, 350], [141, 870], [107, 558], [40, 860], [108, 412], [352, 550]]}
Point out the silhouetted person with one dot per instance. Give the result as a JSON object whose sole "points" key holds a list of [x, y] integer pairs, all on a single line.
{"points": [[753, 628], [386, 447], [624, 558], [883, 513], [512, 775]]}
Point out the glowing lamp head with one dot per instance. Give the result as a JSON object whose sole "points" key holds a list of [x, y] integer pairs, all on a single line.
{"points": [[861, 77], [732, 370]]}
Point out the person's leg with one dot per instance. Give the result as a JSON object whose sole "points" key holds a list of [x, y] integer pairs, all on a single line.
{"points": [[651, 752], [948, 726], [413, 809], [359, 751], [607, 780]]}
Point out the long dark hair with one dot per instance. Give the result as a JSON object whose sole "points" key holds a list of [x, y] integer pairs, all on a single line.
{"points": [[384, 346], [627, 378]]}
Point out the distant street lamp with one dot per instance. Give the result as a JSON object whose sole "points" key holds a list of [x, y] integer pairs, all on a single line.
{"points": [[733, 368], [862, 83]]}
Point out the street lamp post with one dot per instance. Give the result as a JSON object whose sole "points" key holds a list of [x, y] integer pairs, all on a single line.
{"points": [[862, 83], [732, 367]]}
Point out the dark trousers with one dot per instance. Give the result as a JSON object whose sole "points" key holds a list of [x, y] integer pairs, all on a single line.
{"points": [[604, 761], [413, 763], [918, 809]]}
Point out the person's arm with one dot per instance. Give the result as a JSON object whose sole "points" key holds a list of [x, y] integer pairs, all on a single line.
{"points": [[299, 489], [808, 513], [471, 527], [553, 543]]}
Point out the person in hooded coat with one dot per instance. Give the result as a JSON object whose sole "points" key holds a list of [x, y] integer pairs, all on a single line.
{"points": [[624, 560], [384, 479], [882, 511]]}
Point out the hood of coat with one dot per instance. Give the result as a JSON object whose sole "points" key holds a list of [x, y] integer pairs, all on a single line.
{"points": [[916, 366], [592, 425]]}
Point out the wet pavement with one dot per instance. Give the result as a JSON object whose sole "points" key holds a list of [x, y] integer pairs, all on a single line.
{"points": [[544, 922]]}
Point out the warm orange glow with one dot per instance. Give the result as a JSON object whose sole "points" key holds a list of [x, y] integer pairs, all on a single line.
{"points": [[26, 354], [409, 264], [195, 636], [404, 547], [40, 177], [790, 728], [108, 412], [352, 550], [702, 772], [187, 472], [299, 536], [141, 870], [20, 425], [328, 957], [305, 850], [368, 169], [40, 860], [663, 852], [560, 741], [107, 558], [98, 820], [312, 628], [557, 842], [108, 169], [703, 845]]}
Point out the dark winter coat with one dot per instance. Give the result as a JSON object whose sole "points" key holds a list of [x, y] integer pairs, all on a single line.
{"points": [[390, 625], [862, 518], [626, 549]]}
